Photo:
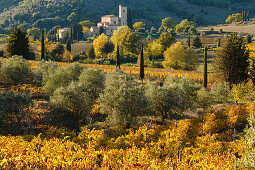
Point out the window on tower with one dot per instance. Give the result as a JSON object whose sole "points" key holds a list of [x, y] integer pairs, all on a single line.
{"points": [[123, 11]]}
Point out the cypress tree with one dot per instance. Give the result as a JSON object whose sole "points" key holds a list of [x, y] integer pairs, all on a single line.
{"points": [[141, 75], [205, 67], [74, 32], [101, 30], [68, 45], [146, 24], [129, 19], [219, 43], [42, 46], [189, 41], [249, 38], [118, 58], [79, 32]]}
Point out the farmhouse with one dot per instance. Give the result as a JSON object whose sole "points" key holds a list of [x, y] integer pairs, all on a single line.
{"points": [[111, 22], [62, 32]]}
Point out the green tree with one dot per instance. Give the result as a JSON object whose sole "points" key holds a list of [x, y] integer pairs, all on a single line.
{"points": [[43, 56], [219, 42], [168, 23], [193, 31], [101, 30], [190, 60], [155, 50], [99, 43], [73, 100], [205, 67], [141, 74], [178, 57], [249, 158], [118, 57], [232, 61], [87, 23], [165, 101], [14, 115], [91, 53], [197, 42], [79, 32], [18, 44], [153, 30], [184, 26], [174, 56], [127, 40], [221, 93], [68, 45], [249, 38], [234, 18], [57, 78], [166, 40], [76, 32], [15, 71], [129, 18], [252, 72], [108, 48], [35, 33], [122, 100], [138, 25], [94, 81], [188, 41]]}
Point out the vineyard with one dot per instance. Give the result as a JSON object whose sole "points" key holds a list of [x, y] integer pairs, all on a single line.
{"points": [[150, 73], [208, 143], [251, 48], [213, 139]]}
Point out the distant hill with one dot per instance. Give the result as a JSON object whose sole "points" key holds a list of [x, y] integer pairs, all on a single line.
{"points": [[49, 13]]}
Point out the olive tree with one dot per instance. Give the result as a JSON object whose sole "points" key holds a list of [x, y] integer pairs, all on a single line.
{"points": [[15, 71], [165, 101], [93, 80], [189, 88], [44, 67], [73, 102], [59, 77], [221, 93], [14, 113], [122, 99]]}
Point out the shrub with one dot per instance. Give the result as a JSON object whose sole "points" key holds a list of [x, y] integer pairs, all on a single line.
{"points": [[93, 80], [74, 102], [122, 99], [74, 70], [13, 112], [1, 53], [204, 98], [44, 68], [59, 77], [221, 93], [166, 100], [249, 159], [188, 86], [15, 71]]}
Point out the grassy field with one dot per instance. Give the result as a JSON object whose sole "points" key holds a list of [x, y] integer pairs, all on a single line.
{"points": [[248, 27]]}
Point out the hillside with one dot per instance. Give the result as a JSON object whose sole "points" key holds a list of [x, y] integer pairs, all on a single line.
{"points": [[49, 13]]}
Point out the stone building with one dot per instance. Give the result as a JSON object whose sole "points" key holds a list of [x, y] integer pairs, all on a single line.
{"points": [[62, 32], [111, 22]]}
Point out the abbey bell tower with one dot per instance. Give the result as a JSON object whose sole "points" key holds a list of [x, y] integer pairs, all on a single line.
{"points": [[123, 15]]}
